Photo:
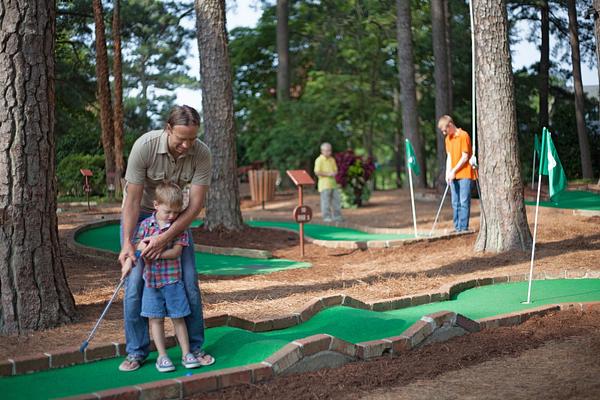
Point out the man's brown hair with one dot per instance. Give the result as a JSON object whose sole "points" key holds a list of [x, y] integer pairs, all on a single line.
{"points": [[183, 115]]}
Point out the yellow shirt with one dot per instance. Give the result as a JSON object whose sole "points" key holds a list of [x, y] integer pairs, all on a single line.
{"points": [[324, 165]]}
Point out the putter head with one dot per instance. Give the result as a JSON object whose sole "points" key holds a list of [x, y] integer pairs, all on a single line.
{"points": [[84, 346]]}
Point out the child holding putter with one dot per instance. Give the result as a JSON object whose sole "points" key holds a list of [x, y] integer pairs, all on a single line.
{"points": [[164, 294]]}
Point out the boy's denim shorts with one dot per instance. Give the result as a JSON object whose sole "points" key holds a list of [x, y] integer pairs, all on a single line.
{"points": [[167, 301]]}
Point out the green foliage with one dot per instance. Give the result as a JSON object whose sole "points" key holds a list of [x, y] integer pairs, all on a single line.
{"points": [[70, 180]]}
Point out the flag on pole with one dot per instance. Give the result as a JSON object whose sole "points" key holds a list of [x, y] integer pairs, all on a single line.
{"points": [[537, 145], [411, 159], [550, 165]]}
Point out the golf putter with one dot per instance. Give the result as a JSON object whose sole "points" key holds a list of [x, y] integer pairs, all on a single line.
{"points": [[85, 344], [439, 209]]}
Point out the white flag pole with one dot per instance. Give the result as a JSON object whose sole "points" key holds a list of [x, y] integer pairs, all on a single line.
{"points": [[412, 197], [533, 170], [537, 207], [439, 209]]}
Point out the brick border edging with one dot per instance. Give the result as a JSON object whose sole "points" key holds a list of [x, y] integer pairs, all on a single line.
{"points": [[71, 356], [302, 349]]}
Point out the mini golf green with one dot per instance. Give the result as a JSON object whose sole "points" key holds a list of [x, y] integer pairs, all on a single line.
{"points": [[573, 200], [236, 347], [326, 232], [107, 238]]}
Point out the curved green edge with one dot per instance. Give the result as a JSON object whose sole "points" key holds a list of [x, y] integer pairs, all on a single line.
{"points": [[235, 347], [573, 200], [107, 238]]}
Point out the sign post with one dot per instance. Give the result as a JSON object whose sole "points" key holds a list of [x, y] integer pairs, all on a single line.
{"points": [[87, 188], [301, 213]]}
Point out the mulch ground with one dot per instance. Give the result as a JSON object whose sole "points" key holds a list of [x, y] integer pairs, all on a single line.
{"points": [[566, 242], [392, 377]]}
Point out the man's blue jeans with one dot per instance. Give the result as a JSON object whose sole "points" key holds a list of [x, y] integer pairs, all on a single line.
{"points": [[461, 203], [137, 337]]}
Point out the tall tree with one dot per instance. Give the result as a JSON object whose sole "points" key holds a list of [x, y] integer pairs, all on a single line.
{"points": [[103, 85], [596, 17], [118, 108], [35, 294], [544, 84], [408, 90], [442, 79], [584, 144], [283, 54], [223, 206], [504, 226]]}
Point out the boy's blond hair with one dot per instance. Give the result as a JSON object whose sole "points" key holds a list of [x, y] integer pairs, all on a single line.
{"points": [[444, 121], [170, 194]]}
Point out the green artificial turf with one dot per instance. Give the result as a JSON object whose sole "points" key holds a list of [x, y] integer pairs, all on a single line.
{"points": [[107, 238], [236, 347], [575, 200], [326, 232]]}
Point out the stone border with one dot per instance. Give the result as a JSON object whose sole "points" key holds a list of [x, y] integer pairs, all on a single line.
{"points": [[368, 244], [419, 332]]}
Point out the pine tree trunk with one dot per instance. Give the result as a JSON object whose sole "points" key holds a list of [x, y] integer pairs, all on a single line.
{"points": [[596, 6], [408, 90], [505, 226], [544, 65], [448, 15], [223, 206], [442, 84], [398, 146], [283, 56], [102, 76], [33, 286], [118, 108], [584, 144]]}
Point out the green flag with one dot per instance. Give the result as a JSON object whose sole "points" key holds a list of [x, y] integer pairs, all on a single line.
{"points": [[411, 159], [550, 165], [537, 145]]}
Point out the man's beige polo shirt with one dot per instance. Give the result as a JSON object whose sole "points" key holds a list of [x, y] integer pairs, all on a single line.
{"points": [[150, 163]]}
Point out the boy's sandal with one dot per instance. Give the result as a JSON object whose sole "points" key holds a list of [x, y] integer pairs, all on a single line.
{"points": [[189, 361], [204, 358], [164, 364], [131, 363]]}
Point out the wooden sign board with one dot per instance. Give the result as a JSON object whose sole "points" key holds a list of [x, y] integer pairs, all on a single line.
{"points": [[300, 177], [86, 172]]}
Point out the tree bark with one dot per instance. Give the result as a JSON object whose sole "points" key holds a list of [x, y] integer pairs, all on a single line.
{"points": [[544, 87], [448, 15], [398, 145], [584, 145], [118, 108], [33, 286], [223, 206], [505, 226], [442, 83], [408, 90], [283, 55], [596, 5], [102, 76]]}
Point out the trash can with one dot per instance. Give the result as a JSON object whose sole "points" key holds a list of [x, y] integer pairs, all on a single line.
{"points": [[262, 185]]}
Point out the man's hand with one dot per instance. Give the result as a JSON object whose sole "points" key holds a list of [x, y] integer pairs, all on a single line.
{"points": [[450, 176], [155, 246], [126, 268], [127, 252]]}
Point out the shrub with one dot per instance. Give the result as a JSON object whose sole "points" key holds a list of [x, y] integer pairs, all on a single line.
{"points": [[70, 180], [353, 174]]}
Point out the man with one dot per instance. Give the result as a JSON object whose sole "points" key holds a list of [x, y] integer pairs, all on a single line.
{"points": [[174, 154], [459, 172], [326, 169]]}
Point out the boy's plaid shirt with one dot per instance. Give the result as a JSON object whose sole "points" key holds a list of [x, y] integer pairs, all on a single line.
{"points": [[160, 272]]}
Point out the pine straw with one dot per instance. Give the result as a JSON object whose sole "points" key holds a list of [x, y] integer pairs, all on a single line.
{"points": [[566, 242]]}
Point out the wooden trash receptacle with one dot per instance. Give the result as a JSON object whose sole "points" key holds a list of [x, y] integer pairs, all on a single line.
{"points": [[262, 185]]}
